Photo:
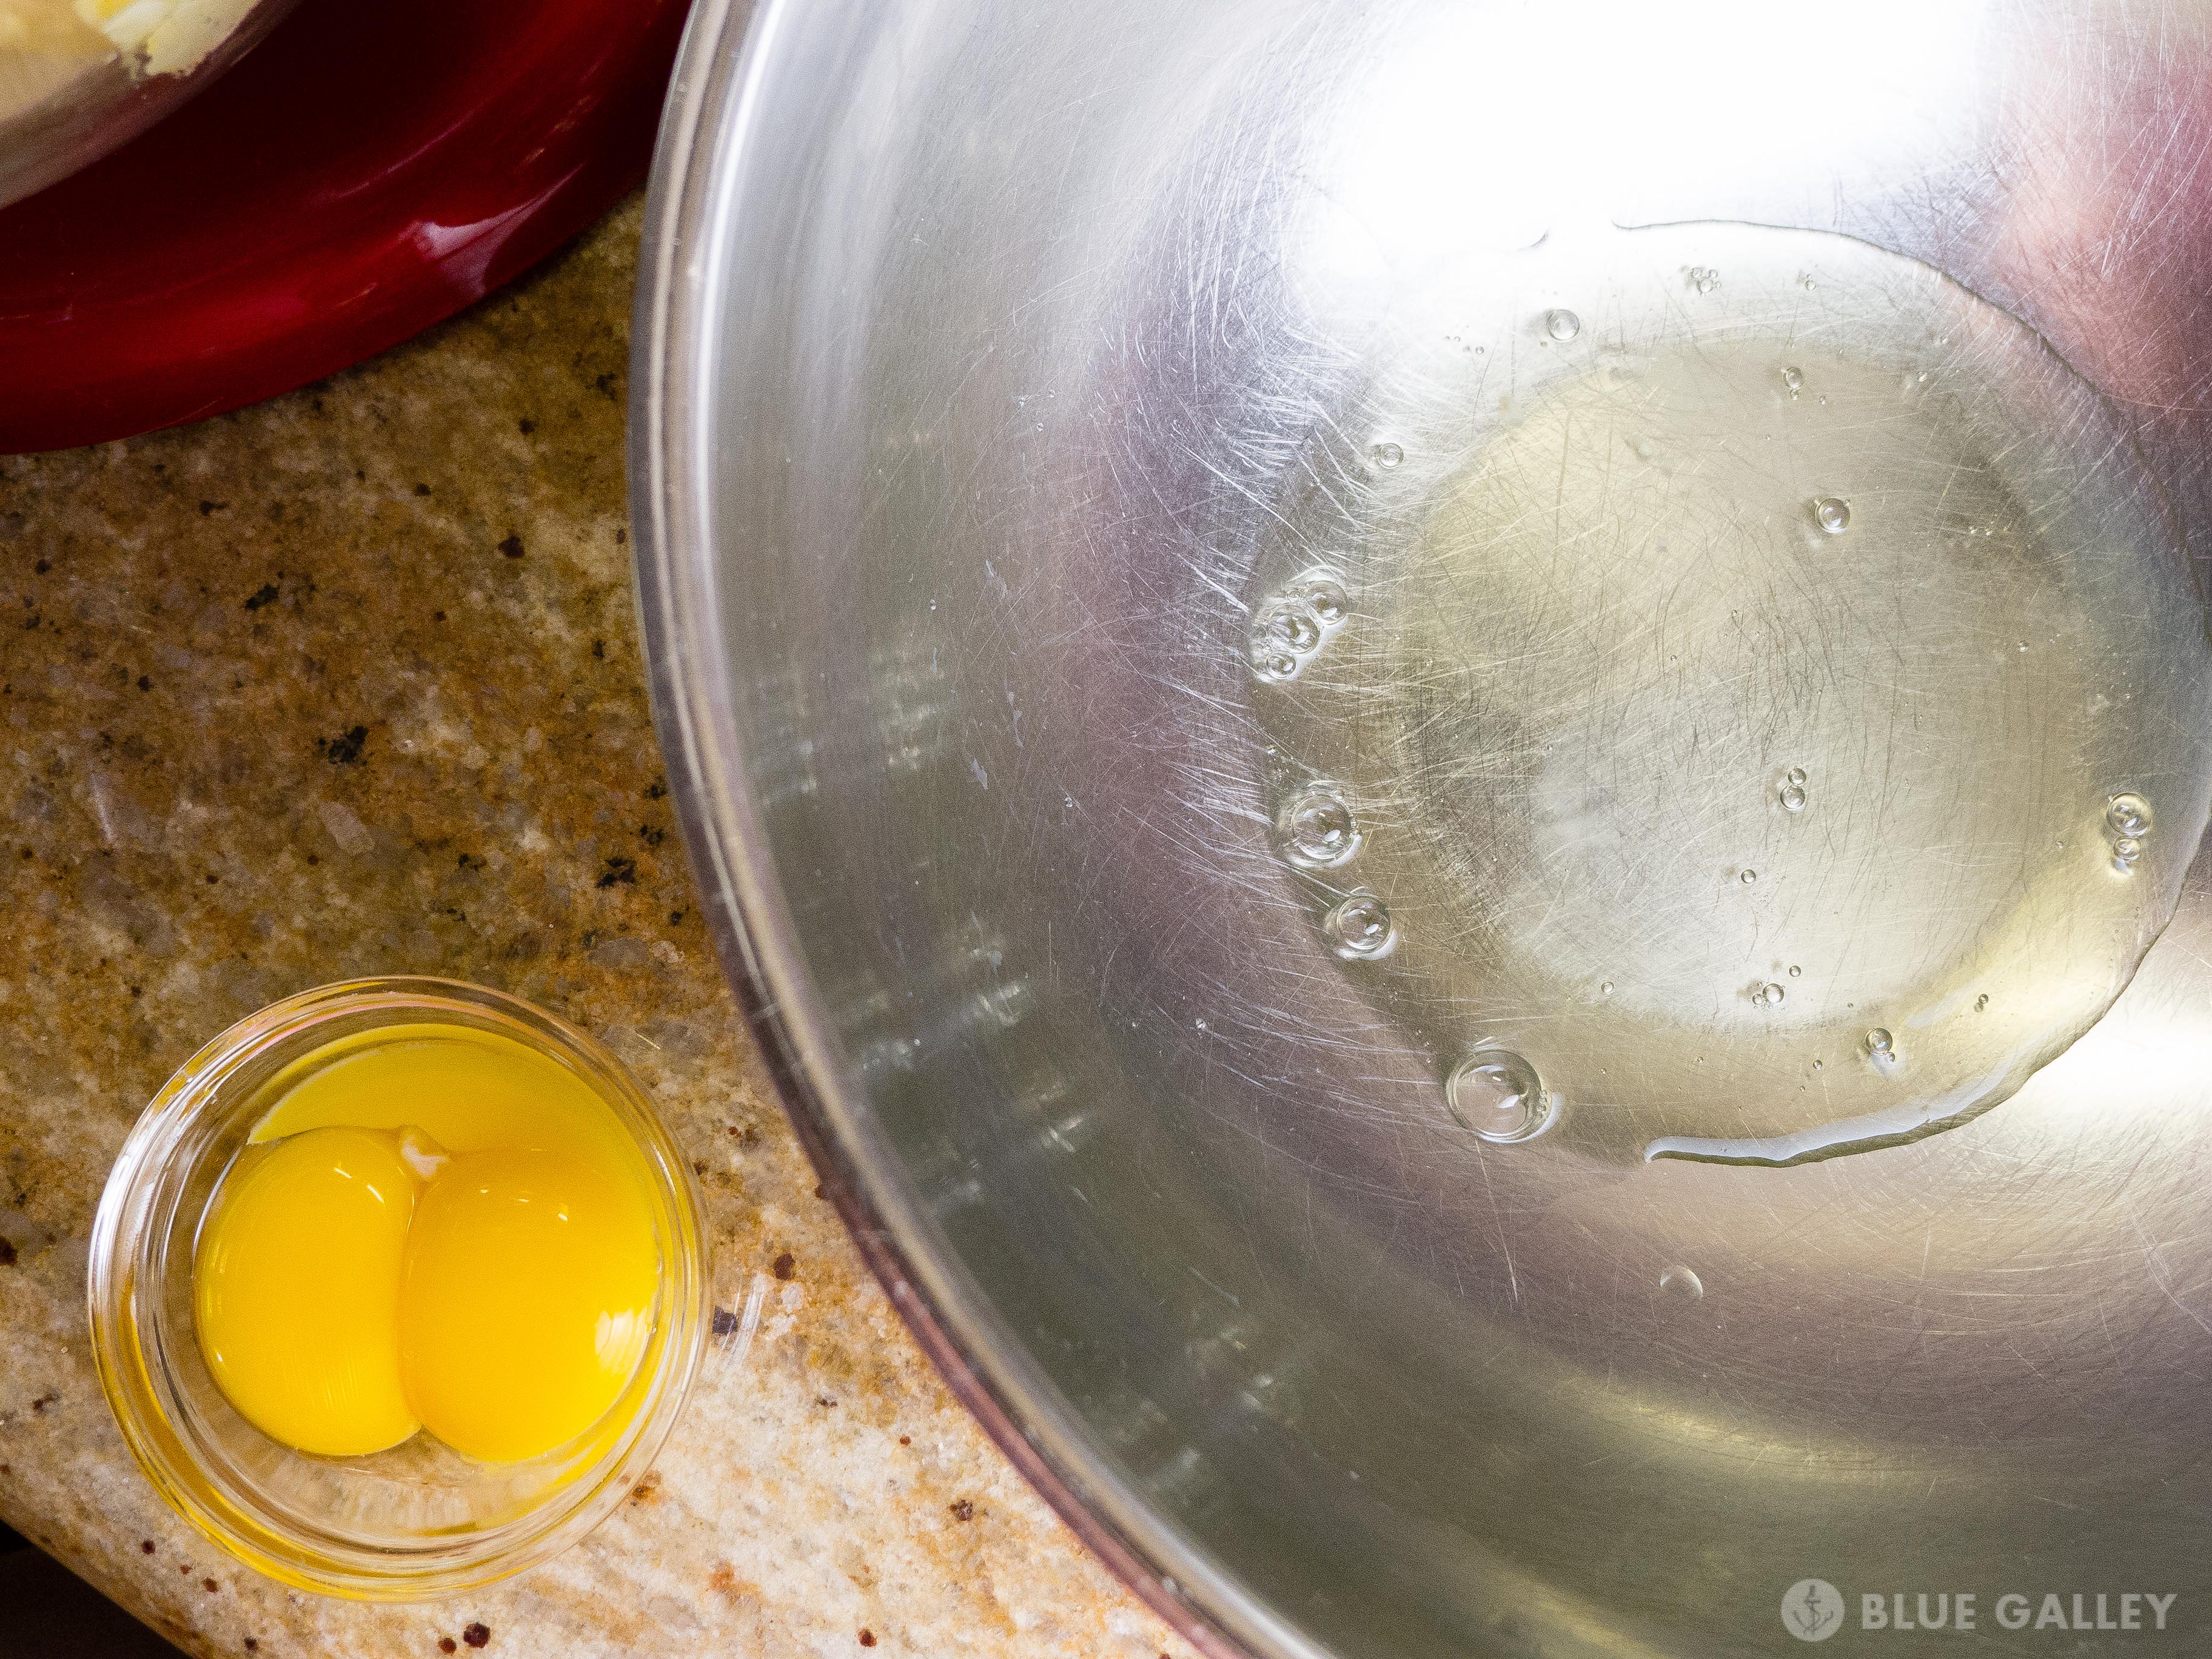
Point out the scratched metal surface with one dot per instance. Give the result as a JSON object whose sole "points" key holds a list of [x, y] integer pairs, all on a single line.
{"points": [[979, 345]]}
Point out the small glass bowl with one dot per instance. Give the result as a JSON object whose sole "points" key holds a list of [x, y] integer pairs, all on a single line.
{"points": [[419, 1520]]}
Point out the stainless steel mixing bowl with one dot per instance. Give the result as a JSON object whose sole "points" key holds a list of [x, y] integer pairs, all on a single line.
{"points": [[1454, 753]]}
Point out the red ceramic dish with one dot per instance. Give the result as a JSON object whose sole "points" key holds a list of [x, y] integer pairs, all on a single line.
{"points": [[366, 170]]}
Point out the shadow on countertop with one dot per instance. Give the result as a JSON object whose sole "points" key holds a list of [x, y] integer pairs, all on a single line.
{"points": [[44, 1609]]}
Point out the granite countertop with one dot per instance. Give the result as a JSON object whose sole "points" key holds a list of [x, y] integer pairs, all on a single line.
{"points": [[350, 683]]}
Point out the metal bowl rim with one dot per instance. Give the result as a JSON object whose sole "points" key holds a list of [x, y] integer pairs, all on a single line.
{"points": [[694, 195]]}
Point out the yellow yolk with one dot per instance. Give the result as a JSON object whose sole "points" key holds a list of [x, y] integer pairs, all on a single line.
{"points": [[469, 1091], [525, 1301], [437, 1228], [296, 1290]]}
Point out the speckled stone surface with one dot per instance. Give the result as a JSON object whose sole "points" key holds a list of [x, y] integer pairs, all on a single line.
{"points": [[350, 683]]}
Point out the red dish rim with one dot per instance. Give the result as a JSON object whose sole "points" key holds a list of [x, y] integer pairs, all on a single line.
{"points": [[361, 174]]}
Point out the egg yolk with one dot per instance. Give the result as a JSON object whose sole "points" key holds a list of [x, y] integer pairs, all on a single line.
{"points": [[525, 1301], [296, 1290], [492, 1281]]}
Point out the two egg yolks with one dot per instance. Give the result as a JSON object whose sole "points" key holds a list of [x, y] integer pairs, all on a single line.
{"points": [[355, 1281]]}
